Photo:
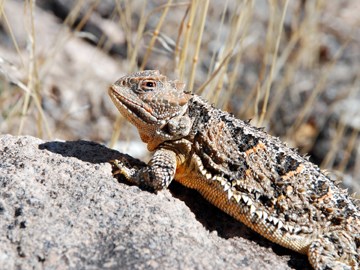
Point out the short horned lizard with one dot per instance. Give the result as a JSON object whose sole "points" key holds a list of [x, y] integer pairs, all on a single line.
{"points": [[242, 170]]}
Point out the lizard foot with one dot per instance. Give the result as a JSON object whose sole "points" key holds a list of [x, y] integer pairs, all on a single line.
{"points": [[134, 174], [120, 168]]}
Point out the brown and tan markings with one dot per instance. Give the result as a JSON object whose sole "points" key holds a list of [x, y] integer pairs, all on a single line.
{"points": [[241, 169]]}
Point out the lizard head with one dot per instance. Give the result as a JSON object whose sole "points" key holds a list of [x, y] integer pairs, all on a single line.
{"points": [[150, 101]]}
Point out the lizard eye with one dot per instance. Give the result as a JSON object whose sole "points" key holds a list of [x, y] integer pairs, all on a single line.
{"points": [[148, 85]]}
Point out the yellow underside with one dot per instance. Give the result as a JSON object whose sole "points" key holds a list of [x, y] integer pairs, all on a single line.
{"points": [[213, 192]]}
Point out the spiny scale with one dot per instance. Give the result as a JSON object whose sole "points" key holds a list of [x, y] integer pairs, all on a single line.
{"points": [[247, 173]]}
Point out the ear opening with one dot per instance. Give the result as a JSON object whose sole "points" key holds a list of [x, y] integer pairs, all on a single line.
{"points": [[161, 78], [180, 86]]}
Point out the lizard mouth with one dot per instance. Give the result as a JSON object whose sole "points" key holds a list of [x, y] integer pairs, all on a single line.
{"points": [[137, 111]]}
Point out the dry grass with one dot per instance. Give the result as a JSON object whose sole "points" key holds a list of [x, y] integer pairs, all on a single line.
{"points": [[236, 56]]}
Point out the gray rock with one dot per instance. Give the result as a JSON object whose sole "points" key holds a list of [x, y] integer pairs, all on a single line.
{"points": [[61, 208]]}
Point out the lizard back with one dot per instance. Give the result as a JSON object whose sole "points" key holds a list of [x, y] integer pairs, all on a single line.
{"points": [[260, 181], [239, 168]]}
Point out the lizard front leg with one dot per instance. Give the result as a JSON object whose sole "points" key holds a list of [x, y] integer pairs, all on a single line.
{"points": [[156, 175]]}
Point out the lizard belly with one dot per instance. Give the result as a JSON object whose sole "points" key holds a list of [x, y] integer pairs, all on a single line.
{"points": [[248, 212]]}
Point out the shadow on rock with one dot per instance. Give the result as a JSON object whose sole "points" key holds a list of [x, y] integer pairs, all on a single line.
{"points": [[87, 151]]}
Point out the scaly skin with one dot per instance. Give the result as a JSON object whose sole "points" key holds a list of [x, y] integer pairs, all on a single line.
{"points": [[242, 170]]}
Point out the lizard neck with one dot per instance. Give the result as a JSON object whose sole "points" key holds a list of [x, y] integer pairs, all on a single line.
{"points": [[173, 129], [152, 142]]}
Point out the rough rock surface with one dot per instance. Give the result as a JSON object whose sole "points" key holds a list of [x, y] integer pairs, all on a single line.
{"points": [[61, 208]]}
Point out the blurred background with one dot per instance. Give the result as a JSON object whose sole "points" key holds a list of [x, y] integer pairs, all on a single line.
{"points": [[291, 66]]}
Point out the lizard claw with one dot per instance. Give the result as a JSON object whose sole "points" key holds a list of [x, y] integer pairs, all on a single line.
{"points": [[120, 168], [131, 174]]}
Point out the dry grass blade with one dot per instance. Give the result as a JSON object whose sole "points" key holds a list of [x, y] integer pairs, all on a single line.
{"points": [[198, 44], [7, 72], [214, 74], [221, 25], [320, 86], [234, 41], [180, 69], [349, 148], [125, 21], [3, 15], [33, 81], [273, 64], [61, 38], [116, 130], [86, 16], [177, 46], [155, 34], [288, 76], [241, 28], [139, 34], [330, 157]]}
